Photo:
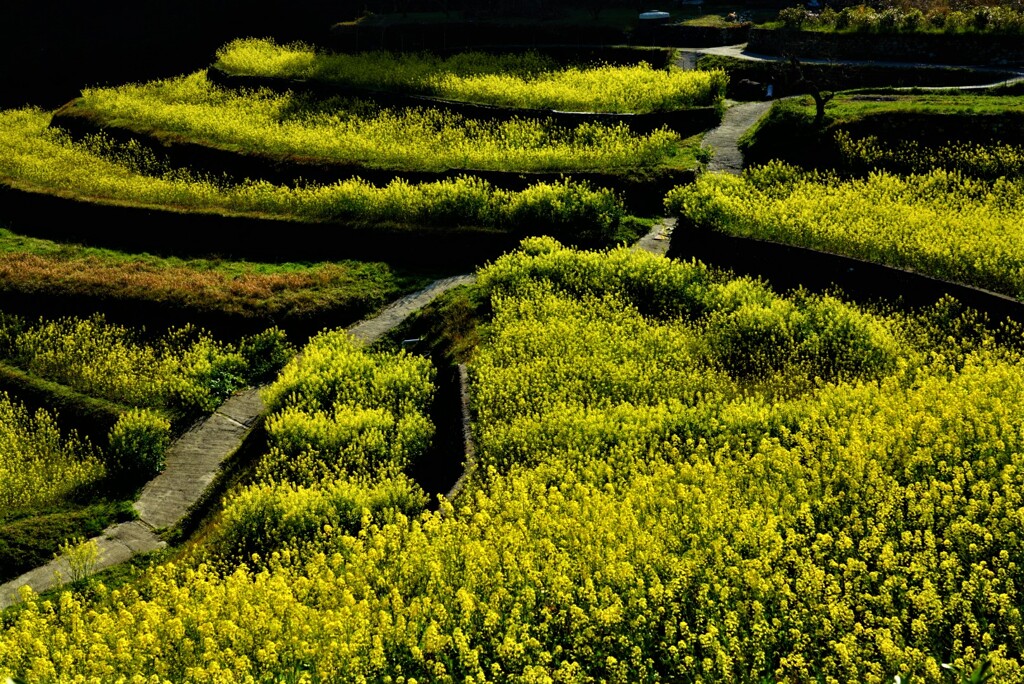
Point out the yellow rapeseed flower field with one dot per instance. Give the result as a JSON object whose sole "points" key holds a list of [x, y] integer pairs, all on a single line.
{"points": [[647, 505], [35, 157], [39, 465], [527, 80], [941, 223], [349, 131]]}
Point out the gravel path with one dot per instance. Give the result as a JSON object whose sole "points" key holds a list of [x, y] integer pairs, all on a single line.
{"points": [[194, 460]]}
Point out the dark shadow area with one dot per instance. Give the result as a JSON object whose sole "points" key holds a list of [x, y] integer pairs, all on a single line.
{"points": [[442, 466], [50, 50], [169, 233]]}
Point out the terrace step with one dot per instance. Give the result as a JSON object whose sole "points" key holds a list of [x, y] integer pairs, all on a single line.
{"points": [[193, 462]]}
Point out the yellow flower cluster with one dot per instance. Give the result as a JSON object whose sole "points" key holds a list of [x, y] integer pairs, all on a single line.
{"points": [[940, 223], [680, 521], [345, 426], [528, 80], [908, 156], [35, 157], [38, 465], [185, 368], [357, 132]]}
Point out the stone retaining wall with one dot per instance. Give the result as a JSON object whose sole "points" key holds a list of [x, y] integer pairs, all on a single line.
{"points": [[906, 47]]}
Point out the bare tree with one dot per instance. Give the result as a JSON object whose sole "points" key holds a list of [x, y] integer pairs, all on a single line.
{"points": [[811, 87]]}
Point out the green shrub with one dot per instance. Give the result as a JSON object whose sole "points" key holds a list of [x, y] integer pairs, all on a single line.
{"points": [[793, 17], [824, 336], [138, 445], [265, 353], [913, 20], [998, 19], [572, 212]]}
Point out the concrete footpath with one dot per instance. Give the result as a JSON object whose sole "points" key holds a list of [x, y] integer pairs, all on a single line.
{"points": [[194, 460], [659, 238], [724, 140], [739, 118]]}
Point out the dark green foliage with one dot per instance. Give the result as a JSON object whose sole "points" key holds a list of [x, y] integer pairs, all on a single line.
{"points": [[29, 539], [265, 353]]}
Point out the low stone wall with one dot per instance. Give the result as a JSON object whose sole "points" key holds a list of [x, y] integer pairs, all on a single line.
{"points": [[788, 267], [680, 35], [907, 47]]}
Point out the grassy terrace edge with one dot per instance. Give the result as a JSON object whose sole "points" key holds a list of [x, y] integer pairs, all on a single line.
{"points": [[225, 296], [358, 133], [640, 188], [933, 119], [683, 121]]}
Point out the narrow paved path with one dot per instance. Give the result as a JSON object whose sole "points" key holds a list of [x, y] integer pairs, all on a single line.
{"points": [[739, 118], [689, 55], [723, 140], [194, 460], [373, 329], [659, 238]]}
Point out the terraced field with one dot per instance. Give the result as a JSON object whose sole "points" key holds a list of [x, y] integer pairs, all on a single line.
{"points": [[666, 471]]}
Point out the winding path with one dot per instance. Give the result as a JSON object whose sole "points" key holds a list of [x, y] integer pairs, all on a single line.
{"points": [[688, 56], [740, 117], [194, 460]]}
